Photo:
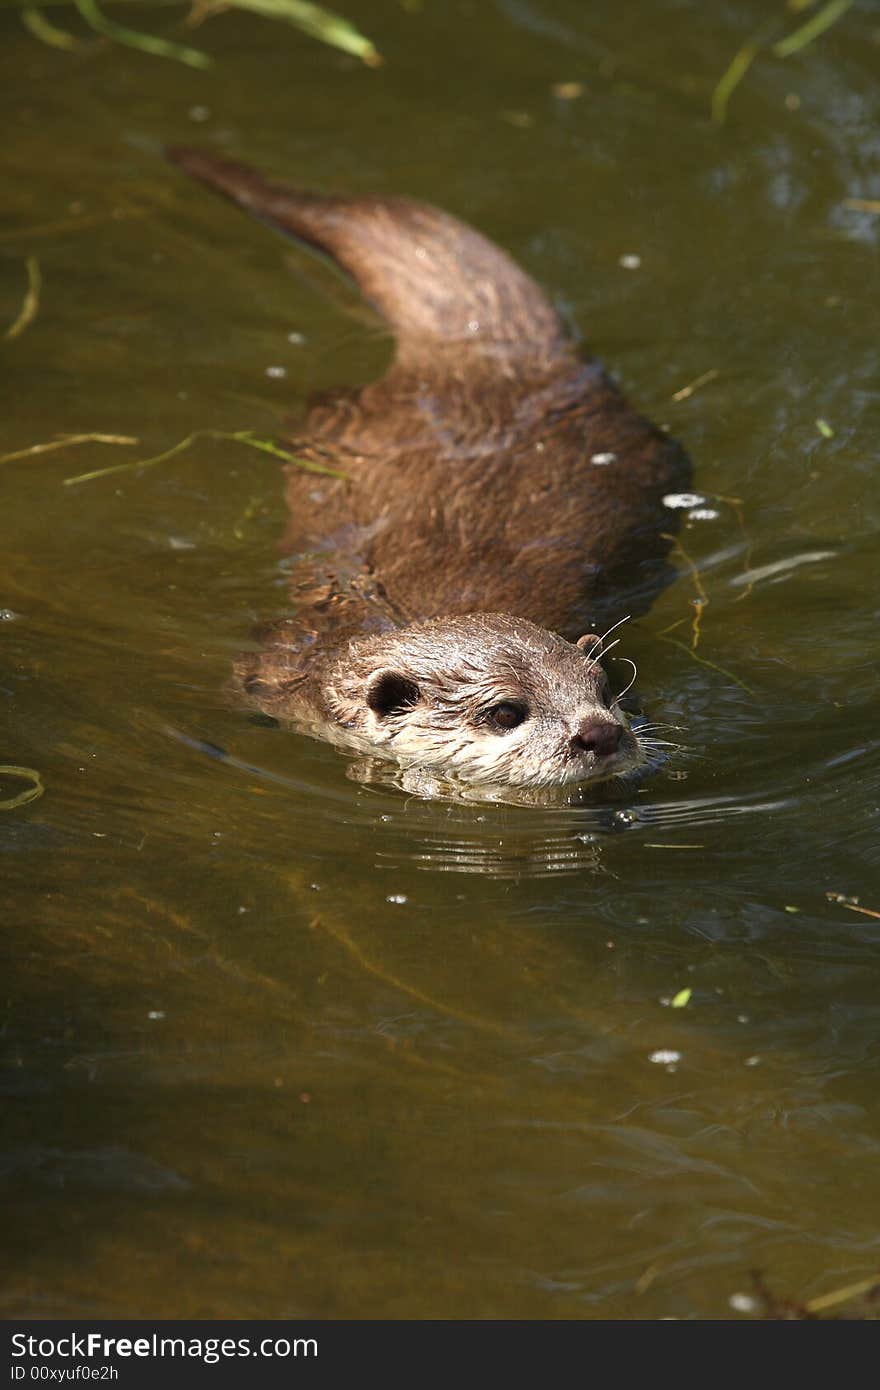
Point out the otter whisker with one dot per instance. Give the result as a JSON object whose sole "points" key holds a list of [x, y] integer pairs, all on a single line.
{"points": [[661, 746], [649, 727], [613, 628], [598, 650], [635, 673], [603, 654]]}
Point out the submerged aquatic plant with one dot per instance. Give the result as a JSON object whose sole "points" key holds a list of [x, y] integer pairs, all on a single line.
{"points": [[31, 303], [314, 20], [784, 47]]}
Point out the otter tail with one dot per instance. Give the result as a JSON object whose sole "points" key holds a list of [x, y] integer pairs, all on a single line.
{"points": [[435, 280]]}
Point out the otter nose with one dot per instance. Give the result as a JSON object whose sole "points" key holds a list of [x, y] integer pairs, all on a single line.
{"points": [[598, 736]]}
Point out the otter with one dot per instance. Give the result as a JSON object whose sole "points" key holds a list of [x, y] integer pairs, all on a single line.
{"points": [[481, 505]]}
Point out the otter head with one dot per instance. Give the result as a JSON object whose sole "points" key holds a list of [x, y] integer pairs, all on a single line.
{"points": [[481, 699]]}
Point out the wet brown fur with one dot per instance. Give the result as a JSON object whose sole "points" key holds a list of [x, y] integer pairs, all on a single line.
{"points": [[470, 483]]}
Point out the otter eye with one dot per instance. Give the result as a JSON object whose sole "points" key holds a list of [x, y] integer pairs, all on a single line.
{"points": [[390, 692], [507, 715]]}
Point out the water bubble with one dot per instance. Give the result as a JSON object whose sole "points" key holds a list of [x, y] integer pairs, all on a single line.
{"points": [[683, 499], [743, 1303]]}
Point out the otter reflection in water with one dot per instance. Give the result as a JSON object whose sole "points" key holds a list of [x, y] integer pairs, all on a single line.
{"points": [[498, 495]]}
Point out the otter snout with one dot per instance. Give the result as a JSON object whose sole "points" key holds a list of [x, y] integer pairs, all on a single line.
{"points": [[598, 736]]}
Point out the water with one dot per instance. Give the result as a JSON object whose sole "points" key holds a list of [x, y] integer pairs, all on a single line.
{"points": [[276, 1043]]}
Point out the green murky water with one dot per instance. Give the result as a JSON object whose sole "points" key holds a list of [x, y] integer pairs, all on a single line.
{"points": [[278, 1044]]}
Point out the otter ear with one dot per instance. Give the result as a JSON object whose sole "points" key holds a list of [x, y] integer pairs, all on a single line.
{"points": [[390, 692], [589, 639]]}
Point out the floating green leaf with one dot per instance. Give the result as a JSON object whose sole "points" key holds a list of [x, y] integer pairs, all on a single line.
{"points": [[682, 998], [824, 429]]}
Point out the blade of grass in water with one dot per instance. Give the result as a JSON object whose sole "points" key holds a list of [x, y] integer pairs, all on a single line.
{"points": [[702, 661], [265, 446], [43, 29], [314, 20], [828, 15], [738, 67], [783, 48], [132, 38], [31, 304], [321, 24], [31, 793], [64, 442]]}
